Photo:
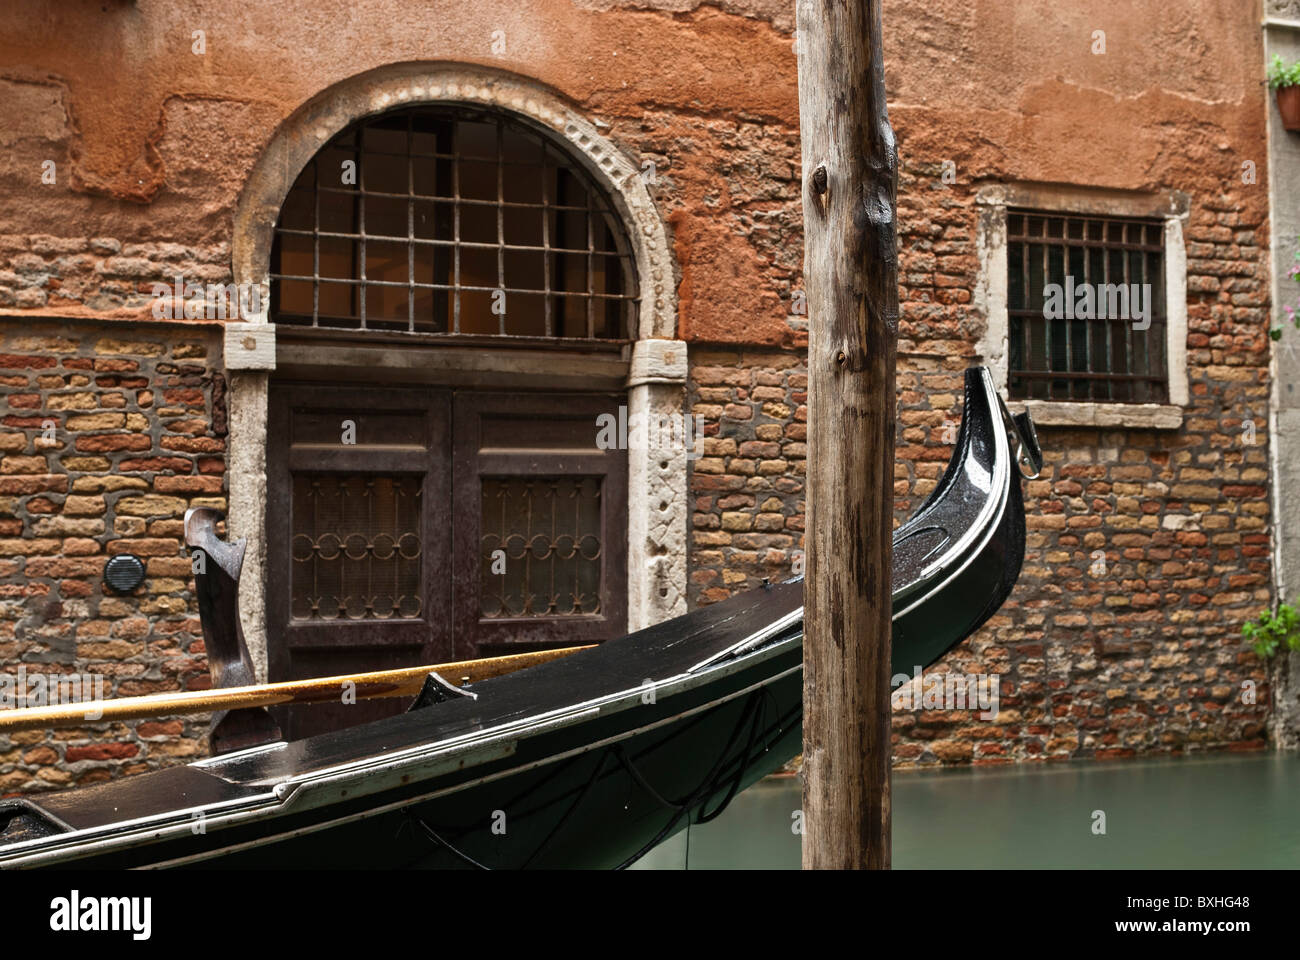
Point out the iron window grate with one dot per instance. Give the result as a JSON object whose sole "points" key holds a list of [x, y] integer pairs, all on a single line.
{"points": [[457, 222], [1068, 344]]}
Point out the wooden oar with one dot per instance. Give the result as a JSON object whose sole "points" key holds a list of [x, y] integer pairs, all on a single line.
{"points": [[383, 683]]}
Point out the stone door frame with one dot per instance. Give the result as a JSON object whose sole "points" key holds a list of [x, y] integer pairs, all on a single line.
{"points": [[656, 367]]}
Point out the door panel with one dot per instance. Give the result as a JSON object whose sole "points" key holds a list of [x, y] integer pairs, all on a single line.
{"points": [[413, 525], [541, 523], [358, 540]]}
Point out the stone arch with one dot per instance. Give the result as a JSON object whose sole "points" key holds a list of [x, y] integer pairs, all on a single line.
{"points": [[657, 474]]}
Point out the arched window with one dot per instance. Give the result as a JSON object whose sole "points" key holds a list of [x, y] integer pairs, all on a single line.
{"points": [[453, 221]]}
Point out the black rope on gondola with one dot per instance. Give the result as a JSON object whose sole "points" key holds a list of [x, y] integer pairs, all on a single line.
{"points": [[564, 818], [767, 735], [688, 801], [713, 781], [443, 843], [762, 696], [555, 770], [559, 768], [693, 796], [640, 780], [702, 817], [582, 794]]}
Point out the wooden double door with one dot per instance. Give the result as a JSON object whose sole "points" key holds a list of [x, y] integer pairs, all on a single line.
{"points": [[410, 525]]}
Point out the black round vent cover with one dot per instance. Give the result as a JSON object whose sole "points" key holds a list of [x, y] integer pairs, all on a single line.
{"points": [[124, 572]]}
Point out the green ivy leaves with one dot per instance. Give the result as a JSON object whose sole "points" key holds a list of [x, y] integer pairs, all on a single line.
{"points": [[1270, 631]]}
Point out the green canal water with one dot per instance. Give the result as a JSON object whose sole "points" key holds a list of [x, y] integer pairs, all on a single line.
{"points": [[1219, 811]]}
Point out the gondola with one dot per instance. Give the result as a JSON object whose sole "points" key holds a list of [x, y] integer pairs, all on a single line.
{"points": [[583, 762]]}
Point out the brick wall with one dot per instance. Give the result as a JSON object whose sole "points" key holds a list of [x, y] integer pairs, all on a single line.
{"points": [[137, 418], [99, 273], [747, 487], [1145, 657]]}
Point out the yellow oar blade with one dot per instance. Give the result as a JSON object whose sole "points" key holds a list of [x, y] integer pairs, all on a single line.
{"points": [[383, 683]]}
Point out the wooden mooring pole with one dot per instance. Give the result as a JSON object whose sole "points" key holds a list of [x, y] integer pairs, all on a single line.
{"points": [[851, 279]]}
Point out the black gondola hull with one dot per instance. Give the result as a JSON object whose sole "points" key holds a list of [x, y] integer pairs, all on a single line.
{"points": [[587, 761]]}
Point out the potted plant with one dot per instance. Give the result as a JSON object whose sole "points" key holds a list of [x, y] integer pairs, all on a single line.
{"points": [[1285, 80]]}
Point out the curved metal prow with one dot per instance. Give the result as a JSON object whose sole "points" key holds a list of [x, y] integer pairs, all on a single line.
{"points": [[1028, 454], [216, 582]]}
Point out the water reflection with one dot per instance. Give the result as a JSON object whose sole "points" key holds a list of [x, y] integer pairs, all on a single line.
{"points": [[1220, 811]]}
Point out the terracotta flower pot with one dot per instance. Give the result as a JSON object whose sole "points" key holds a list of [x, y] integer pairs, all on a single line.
{"points": [[1288, 104]]}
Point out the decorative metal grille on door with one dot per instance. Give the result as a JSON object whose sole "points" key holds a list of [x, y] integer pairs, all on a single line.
{"points": [[355, 547], [541, 546]]}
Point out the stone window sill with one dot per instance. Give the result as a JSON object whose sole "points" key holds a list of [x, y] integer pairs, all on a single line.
{"points": [[1147, 416]]}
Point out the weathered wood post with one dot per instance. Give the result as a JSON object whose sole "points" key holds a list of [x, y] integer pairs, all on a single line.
{"points": [[850, 274]]}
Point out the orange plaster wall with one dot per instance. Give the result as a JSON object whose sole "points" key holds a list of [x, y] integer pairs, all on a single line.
{"points": [[153, 143]]}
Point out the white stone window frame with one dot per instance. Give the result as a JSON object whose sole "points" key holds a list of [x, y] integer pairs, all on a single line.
{"points": [[990, 296], [656, 366]]}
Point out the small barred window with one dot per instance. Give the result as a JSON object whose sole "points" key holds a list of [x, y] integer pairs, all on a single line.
{"points": [[1086, 308]]}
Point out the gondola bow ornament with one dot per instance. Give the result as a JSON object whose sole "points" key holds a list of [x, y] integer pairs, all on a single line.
{"points": [[216, 566]]}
